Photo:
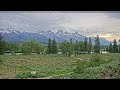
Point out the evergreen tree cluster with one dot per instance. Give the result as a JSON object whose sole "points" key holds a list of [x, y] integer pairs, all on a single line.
{"points": [[32, 46], [97, 45], [68, 47], [2, 45], [52, 46], [114, 48]]}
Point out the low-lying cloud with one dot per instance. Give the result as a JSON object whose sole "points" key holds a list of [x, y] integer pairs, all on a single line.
{"points": [[104, 24]]}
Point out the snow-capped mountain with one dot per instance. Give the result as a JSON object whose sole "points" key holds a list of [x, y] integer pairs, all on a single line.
{"points": [[41, 32], [64, 35], [11, 35], [103, 41], [59, 32], [9, 30]]}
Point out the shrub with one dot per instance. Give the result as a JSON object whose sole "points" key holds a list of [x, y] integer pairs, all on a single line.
{"points": [[94, 61], [22, 75], [27, 75], [95, 58], [80, 66], [110, 70]]}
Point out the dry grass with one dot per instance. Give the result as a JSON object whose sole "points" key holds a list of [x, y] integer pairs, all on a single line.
{"points": [[15, 64], [45, 65]]}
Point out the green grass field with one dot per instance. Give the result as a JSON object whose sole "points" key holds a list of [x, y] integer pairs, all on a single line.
{"points": [[58, 66]]}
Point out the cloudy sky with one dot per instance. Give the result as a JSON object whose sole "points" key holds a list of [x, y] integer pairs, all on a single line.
{"points": [[105, 24]]}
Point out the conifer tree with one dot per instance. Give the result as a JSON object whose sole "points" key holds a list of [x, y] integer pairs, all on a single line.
{"points": [[110, 48], [54, 46], [115, 47], [2, 45], [76, 47], [85, 44], [119, 46], [89, 46], [97, 45], [49, 46]]}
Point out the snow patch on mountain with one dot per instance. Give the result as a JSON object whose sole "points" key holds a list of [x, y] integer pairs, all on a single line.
{"points": [[12, 35]]}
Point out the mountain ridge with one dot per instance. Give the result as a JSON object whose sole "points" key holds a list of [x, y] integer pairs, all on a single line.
{"points": [[11, 35]]}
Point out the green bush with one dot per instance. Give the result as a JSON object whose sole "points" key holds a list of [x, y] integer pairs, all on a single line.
{"points": [[93, 62], [110, 70], [95, 58], [22, 75], [80, 66], [27, 75]]}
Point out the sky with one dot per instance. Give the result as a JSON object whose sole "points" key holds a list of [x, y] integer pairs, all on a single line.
{"points": [[105, 24]]}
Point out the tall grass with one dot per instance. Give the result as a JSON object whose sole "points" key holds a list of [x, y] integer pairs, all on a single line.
{"points": [[81, 65]]}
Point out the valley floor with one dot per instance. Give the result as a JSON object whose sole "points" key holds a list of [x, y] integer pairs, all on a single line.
{"points": [[57, 67]]}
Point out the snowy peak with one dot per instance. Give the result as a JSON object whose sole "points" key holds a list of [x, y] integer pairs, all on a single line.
{"points": [[77, 34], [9, 30], [49, 31], [60, 32], [41, 32], [66, 33], [1, 30], [42, 36]]}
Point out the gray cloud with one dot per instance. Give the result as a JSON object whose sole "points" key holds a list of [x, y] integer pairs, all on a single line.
{"points": [[85, 23], [114, 15], [30, 21]]}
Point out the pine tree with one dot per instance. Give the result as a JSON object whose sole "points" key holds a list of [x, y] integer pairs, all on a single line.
{"points": [[119, 46], [110, 48], [85, 44], [28, 47], [49, 46], [76, 48], [97, 45], [54, 46], [89, 46], [64, 47], [2, 45], [115, 47], [81, 46], [70, 47], [107, 49]]}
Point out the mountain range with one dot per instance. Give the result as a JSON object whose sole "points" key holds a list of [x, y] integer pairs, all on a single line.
{"points": [[11, 35]]}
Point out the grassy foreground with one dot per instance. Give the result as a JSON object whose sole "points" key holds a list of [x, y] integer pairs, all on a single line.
{"points": [[59, 67]]}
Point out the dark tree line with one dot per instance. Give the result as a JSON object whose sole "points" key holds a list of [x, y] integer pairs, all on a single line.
{"points": [[52, 46], [27, 47], [89, 46], [32, 46], [2, 44], [97, 45], [114, 48], [67, 48]]}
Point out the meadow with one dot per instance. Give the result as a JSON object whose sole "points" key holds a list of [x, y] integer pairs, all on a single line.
{"points": [[54, 66]]}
